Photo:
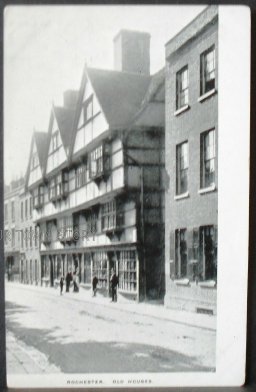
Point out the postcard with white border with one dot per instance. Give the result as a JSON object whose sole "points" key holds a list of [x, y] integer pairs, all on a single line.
{"points": [[126, 194]]}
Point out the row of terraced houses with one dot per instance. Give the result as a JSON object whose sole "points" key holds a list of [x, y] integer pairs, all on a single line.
{"points": [[126, 177]]}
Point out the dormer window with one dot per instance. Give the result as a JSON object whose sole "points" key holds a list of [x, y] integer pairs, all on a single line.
{"points": [[99, 161], [55, 141], [88, 109], [34, 161]]}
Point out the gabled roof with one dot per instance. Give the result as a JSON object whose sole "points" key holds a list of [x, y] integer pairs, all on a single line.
{"points": [[40, 139], [119, 93], [65, 118], [152, 110], [156, 90], [41, 143], [125, 98]]}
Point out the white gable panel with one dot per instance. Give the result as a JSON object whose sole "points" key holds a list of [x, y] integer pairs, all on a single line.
{"points": [[54, 129], [35, 174], [56, 158], [93, 128]]}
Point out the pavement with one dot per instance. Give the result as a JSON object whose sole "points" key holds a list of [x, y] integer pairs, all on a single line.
{"points": [[204, 321], [22, 359]]}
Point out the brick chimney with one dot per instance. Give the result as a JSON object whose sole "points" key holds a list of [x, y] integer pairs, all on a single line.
{"points": [[132, 52], [70, 99]]}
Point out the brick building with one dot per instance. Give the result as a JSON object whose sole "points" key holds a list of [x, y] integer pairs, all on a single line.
{"points": [[192, 165], [29, 268], [97, 190]]}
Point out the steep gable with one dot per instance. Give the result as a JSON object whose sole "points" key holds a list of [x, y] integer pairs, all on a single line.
{"points": [[90, 117], [57, 154], [36, 158]]}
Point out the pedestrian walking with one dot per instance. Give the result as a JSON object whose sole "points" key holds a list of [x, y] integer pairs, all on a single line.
{"points": [[68, 281], [114, 284], [94, 285], [61, 284]]}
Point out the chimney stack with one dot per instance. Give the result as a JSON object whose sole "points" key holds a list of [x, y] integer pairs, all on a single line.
{"points": [[132, 52]]}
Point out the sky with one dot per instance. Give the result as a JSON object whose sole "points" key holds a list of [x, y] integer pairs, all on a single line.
{"points": [[45, 49]]}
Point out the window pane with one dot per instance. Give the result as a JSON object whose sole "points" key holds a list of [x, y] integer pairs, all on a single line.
{"points": [[182, 168], [182, 88]]}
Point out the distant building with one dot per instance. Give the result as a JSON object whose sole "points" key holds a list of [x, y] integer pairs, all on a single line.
{"points": [[96, 177], [12, 228], [29, 242], [191, 147], [21, 243]]}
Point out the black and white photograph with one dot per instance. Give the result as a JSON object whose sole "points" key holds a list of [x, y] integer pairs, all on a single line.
{"points": [[126, 191]]}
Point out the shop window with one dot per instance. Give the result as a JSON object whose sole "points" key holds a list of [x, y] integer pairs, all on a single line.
{"points": [[207, 71], [181, 168], [182, 88], [208, 253], [100, 268], [207, 155], [181, 257], [86, 272], [127, 272]]}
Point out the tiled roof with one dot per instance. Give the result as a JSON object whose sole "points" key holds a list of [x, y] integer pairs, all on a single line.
{"points": [[65, 118], [41, 140], [41, 144], [156, 91], [120, 94]]}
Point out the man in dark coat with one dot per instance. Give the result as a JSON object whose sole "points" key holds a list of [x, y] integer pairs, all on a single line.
{"points": [[94, 285], [61, 285], [68, 281], [114, 283]]}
